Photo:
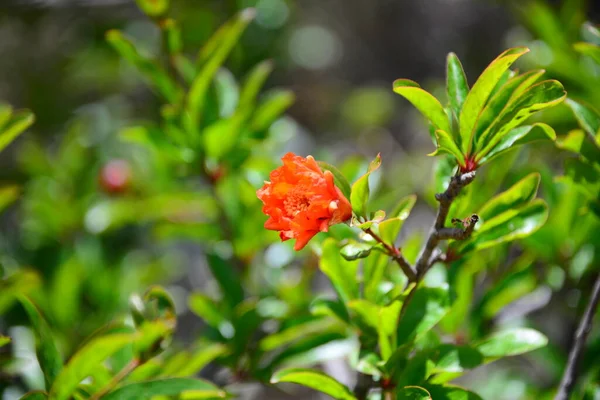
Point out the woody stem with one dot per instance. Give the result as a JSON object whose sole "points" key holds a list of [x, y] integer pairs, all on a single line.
{"points": [[396, 256]]}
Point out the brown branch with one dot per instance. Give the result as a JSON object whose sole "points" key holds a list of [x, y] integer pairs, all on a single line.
{"points": [[438, 232], [396, 256], [585, 325]]}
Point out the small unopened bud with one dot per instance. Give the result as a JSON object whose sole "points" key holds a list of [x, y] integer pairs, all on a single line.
{"points": [[115, 176]]}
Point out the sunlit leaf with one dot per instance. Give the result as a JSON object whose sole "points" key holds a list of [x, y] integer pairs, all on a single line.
{"points": [[359, 195], [340, 272], [516, 196], [45, 346], [480, 92], [85, 361], [167, 387], [588, 49], [511, 342], [314, 380], [270, 108], [412, 393], [423, 101], [587, 116], [446, 145], [516, 137], [17, 123]]}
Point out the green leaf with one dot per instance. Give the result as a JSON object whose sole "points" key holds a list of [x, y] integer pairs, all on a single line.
{"points": [[83, 363], [423, 101], [509, 289], [508, 226], [227, 92], [516, 137], [404, 207], [45, 347], [446, 145], [227, 277], [367, 311], [498, 102], [577, 142], [8, 195], [201, 358], [150, 69], [20, 283], [253, 83], [333, 308], [211, 62], [172, 36], [153, 8], [356, 250], [167, 387], [206, 308], [297, 332], [511, 342], [456, 83], [359, 195], [587, 116], [386, 328], [35, 395], [538, 97], [340, 272], [18, 122], [439, 392], [4, 340], [479, 94], [314, 380], [339, 179], [588, 49], [455, 359], [425, 310], [516, 196], [412, 392], [270, 108]]}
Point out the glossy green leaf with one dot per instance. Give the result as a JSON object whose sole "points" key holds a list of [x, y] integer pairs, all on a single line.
{"points": [[425, 310], [456, 83], [423, 101], [412, 393], [386, 328], [511, 342], [314, 380], [153, 8], [296, 332], [516, 137], [577, 142], [356, 250], [538, 97], [508, 226], [271, 108], [439, 392], [229, 36], [587, 116], [150, 69], [35, 395], [481, 91], [509, 289], [340, 272], [340, 180], [166, 387], [359, 195], [45, 346], [588, 49], [17, 123], [495, 107], [4, 340], [206, 308], [367, 311], [81, 365], [454, 359], [516, 196], [446, 145]]}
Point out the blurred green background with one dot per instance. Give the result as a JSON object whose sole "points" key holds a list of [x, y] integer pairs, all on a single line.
{"points": [[339, 57]]}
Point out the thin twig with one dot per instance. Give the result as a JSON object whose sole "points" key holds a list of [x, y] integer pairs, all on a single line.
{"points": [[568, 380], [396, 255], [438, 232], [133, 364]]}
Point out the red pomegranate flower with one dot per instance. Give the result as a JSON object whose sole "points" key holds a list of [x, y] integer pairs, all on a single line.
{"points": [[301, 200]]}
